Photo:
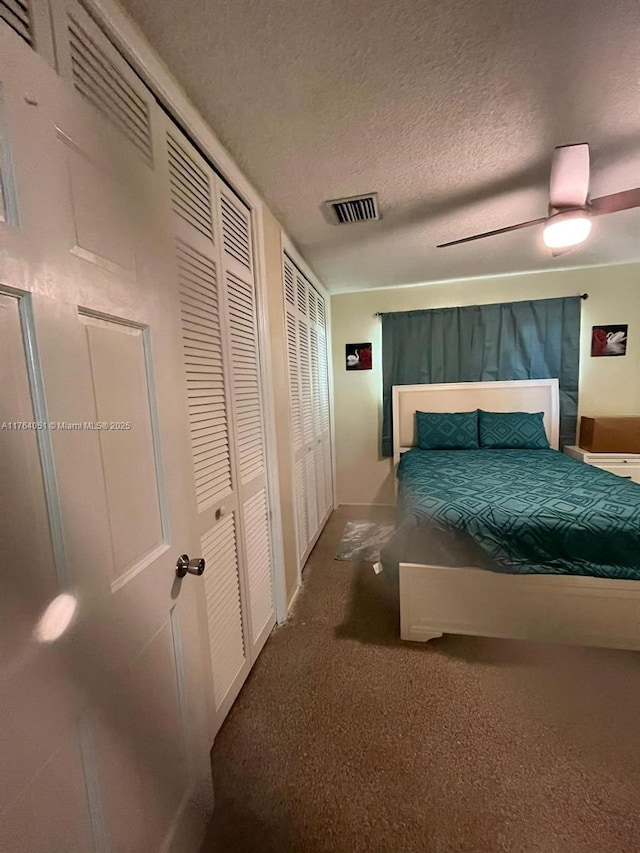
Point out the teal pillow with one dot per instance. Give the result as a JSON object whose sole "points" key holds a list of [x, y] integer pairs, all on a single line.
{"points": [[512, 430], [444, 431]]}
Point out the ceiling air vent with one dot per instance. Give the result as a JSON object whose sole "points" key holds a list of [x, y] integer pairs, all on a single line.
{"points": [[357, 208]]}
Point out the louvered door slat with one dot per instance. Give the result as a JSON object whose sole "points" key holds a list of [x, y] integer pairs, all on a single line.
{"points": [[99, 72], [289, 284], [236, 234], [312, 495], [306, 399], [312, 303], [256, 532], [197, 299], [328, 470], [99, 80], [16, 14], [210, 466], [301, 507], [301, 294], [224, 610], [209, 421], [294, 382], [190, 188], [246, 376], [318, 460], [195, 261], [323, 384], [315, 378]]}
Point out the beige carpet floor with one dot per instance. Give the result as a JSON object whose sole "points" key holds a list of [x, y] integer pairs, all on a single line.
{"points": [[345, 739]]}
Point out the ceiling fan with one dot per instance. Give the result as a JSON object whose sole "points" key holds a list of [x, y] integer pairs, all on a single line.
{"points": [[570, 210]]}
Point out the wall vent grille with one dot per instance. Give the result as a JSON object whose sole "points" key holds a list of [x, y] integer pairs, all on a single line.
{"points": [[361, 208]]}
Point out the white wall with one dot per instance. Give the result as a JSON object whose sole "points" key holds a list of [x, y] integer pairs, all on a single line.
{"points": [[608, 386]]}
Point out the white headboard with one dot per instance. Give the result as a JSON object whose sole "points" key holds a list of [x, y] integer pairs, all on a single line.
{"points": [[520, 395]]}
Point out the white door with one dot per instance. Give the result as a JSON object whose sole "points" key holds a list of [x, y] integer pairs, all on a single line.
{"points": [[105, 686], [309, 401], [216, 294]]}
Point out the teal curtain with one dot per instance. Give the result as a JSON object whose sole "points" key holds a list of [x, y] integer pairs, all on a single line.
{"points": [[513, 340]]}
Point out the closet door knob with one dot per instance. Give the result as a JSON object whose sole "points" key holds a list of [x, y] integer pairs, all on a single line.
{"points": [[186, 566]]}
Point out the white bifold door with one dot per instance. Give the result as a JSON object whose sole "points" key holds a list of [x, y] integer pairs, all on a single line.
{"points": [[131, 433], [216, 290], [307, 356]]}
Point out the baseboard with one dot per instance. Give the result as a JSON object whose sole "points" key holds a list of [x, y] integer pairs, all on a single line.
{"points": [[359, 503]]}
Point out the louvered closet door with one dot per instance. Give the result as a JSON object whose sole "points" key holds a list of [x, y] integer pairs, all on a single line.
{"points": [[325, 463], [17, 15], [293, 361], [207, 372], [31, 20], [241, 313], [306, 400], [309, 401]]}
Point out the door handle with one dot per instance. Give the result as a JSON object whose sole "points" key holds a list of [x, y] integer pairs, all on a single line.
{"points": [[186, 566]]}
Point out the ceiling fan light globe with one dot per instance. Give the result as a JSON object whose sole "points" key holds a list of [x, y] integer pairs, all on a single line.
{"points": [[566, 229]]}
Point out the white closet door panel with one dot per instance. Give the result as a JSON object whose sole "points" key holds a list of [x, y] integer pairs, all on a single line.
{"points": [[86, 58], [306, 391], [240, 296], [289, 284], [294, 382], [321, 312], [316, 391], [301, 507], [312, 303], [321, 488], [309, 402], [17, 15], [190, 187], [328, 471], [245, 370], [301, 294], [117, 505], [204, 373], [229, 659], [247, 414], [256, 531], [312, 495], [236, 230], [200, 285]]}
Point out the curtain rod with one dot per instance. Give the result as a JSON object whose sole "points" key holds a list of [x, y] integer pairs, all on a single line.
{"points": [[380, 313]]}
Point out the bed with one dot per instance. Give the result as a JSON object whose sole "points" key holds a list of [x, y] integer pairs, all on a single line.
{"points": [[511, 543]]}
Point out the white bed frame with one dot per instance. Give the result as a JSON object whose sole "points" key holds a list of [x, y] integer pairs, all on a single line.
{"points": [[437, 600]]}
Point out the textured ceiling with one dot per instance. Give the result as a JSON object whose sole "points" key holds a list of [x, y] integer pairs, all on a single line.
{"points": [[449, 109]]}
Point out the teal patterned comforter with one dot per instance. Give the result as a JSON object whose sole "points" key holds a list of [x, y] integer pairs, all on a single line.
{"points": [[523, 510]]}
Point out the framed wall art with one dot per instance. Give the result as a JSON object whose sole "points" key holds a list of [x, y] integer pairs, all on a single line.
{"points": [[609, 340], [358, 357]]}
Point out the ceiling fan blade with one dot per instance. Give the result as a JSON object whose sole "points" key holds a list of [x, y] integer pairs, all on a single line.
{"points": [[624, 200], [569, 185], [492, 233]]}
